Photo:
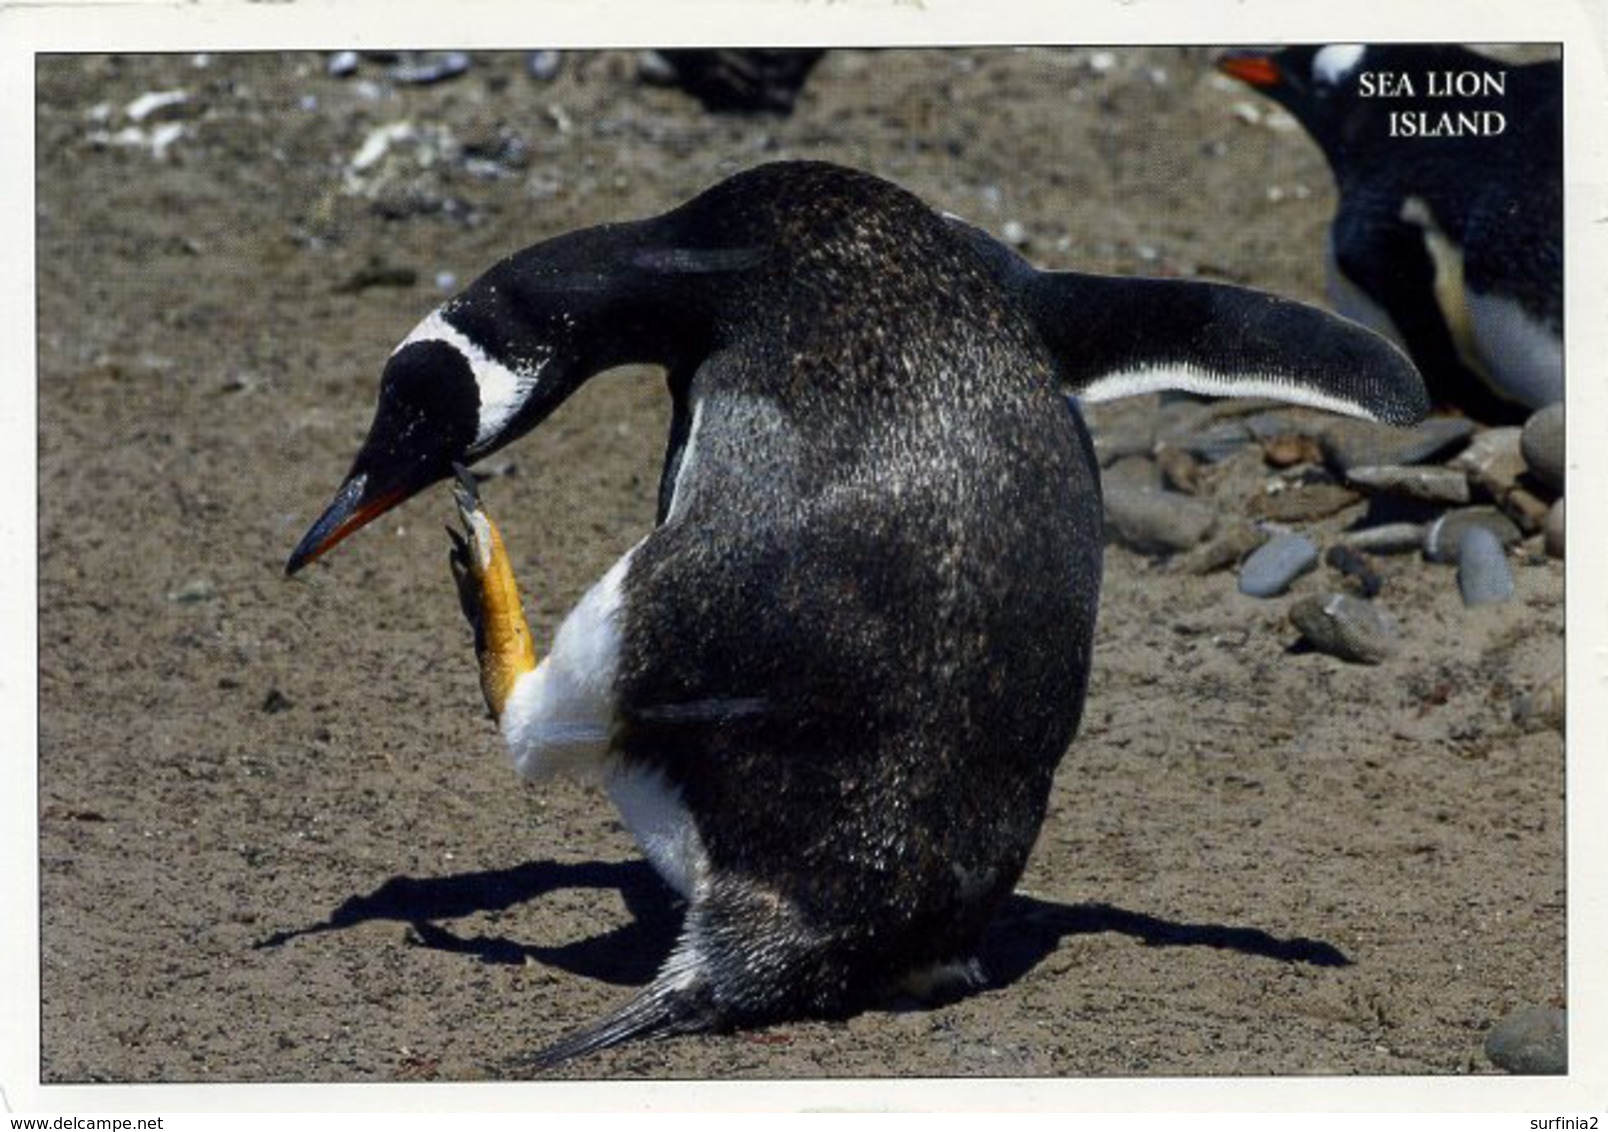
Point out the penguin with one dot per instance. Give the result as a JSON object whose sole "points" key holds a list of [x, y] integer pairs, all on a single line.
{"points": [[1448, 235], [829, 690], [735, 80]]}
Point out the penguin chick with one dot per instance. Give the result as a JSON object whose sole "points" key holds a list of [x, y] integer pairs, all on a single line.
{"points": [[1448, 235], [829, 691]]}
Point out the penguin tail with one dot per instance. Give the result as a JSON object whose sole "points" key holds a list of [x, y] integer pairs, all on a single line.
{"points": [[662, 1009]]}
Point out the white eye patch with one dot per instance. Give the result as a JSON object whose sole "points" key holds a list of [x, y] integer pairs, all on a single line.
{"points": [[502, 390], [1332, 64]]}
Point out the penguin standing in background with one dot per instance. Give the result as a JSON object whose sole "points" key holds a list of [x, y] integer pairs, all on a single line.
{"points": [[829, 691], [1449, 232]]}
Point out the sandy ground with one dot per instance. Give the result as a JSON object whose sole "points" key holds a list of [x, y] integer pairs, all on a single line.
{"points": [[279, 841]]}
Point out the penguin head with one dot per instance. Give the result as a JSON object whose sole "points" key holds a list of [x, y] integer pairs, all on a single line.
{"points": [[494, 361], [1315, 83]]}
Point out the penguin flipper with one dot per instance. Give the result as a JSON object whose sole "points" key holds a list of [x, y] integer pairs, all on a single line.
{"points": [[1117, 337]]}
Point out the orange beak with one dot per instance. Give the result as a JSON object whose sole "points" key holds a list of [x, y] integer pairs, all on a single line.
{"points": [[1251, 69]]}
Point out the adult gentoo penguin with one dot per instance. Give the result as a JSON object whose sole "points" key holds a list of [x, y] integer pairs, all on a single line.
{"points": [[829, 690], [1449, 230]]}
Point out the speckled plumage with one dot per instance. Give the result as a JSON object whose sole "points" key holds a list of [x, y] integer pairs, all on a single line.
{"points": [[830, 689]]}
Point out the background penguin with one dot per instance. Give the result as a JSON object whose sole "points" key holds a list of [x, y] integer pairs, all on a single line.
{"points": [[828, 692], [1453, 245]]}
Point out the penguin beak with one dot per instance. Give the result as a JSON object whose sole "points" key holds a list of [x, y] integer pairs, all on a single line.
{"points": [[361, 500], [1252, 68]]}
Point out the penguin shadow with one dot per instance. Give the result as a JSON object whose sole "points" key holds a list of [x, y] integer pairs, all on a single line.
{"points": [[628, 955], [1028, 929]]}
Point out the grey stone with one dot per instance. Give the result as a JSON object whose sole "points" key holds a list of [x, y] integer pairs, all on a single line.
{"points": [[1492, 461], [1541, 708], [1232, 542], [1347, 627], [1425, 484], [1351, 444], [1215, 442], [1132, 471], [1533, 1040], [1387, 538], [1276, 564], [1444, 536], [1542, 444], [1484, 575], [1157, 522], [1554, 529]]}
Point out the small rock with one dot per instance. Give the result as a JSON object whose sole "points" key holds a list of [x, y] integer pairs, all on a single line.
{"points": [[1014, 233], [1387, 538], [341, 64], [1346, 627], [1276, 564], [1216, 442], [1303, 504], [1178, 469], [1227, 548], [1492, 461], [1554, 529], [1483, 573], [1113, 442], [429, 67], [1351, 444], [1179, 414], [1527, 510], [1356, 566], [1157, 522], [1427, 485], [155, 104], [1444, 536], [1531, 1041], [543, 66], [1542, 443], [1136, 471], [1542, 707], [275, 702], [193, 591], [1288, 450]]}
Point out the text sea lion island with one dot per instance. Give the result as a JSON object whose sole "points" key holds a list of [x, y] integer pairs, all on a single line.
{"points": [[1438, 84]]}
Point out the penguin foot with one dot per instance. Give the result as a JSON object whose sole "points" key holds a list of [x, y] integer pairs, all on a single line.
{"points": [[489, 597]]}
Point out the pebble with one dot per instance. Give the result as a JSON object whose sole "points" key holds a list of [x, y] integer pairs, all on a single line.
{"points": [[1387, 538], [1533, 1040], [1554, 530], [1527, 510], [543, 66], [1444, 536], [1542, 443], [1492, 461], [341, 64], [1347, 627], [1014, 233], [1424, 484], [153, 104], [429, 67], [1133, 471], [1542, 707], [193, 591], [1228, 547], [1287, 450], [1178, 469], [1276, 564], [1356, 566], [1351, 444], [1304, 503], [1483, 573], [1216, 442], [1114, 442], [1157, 522]]}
